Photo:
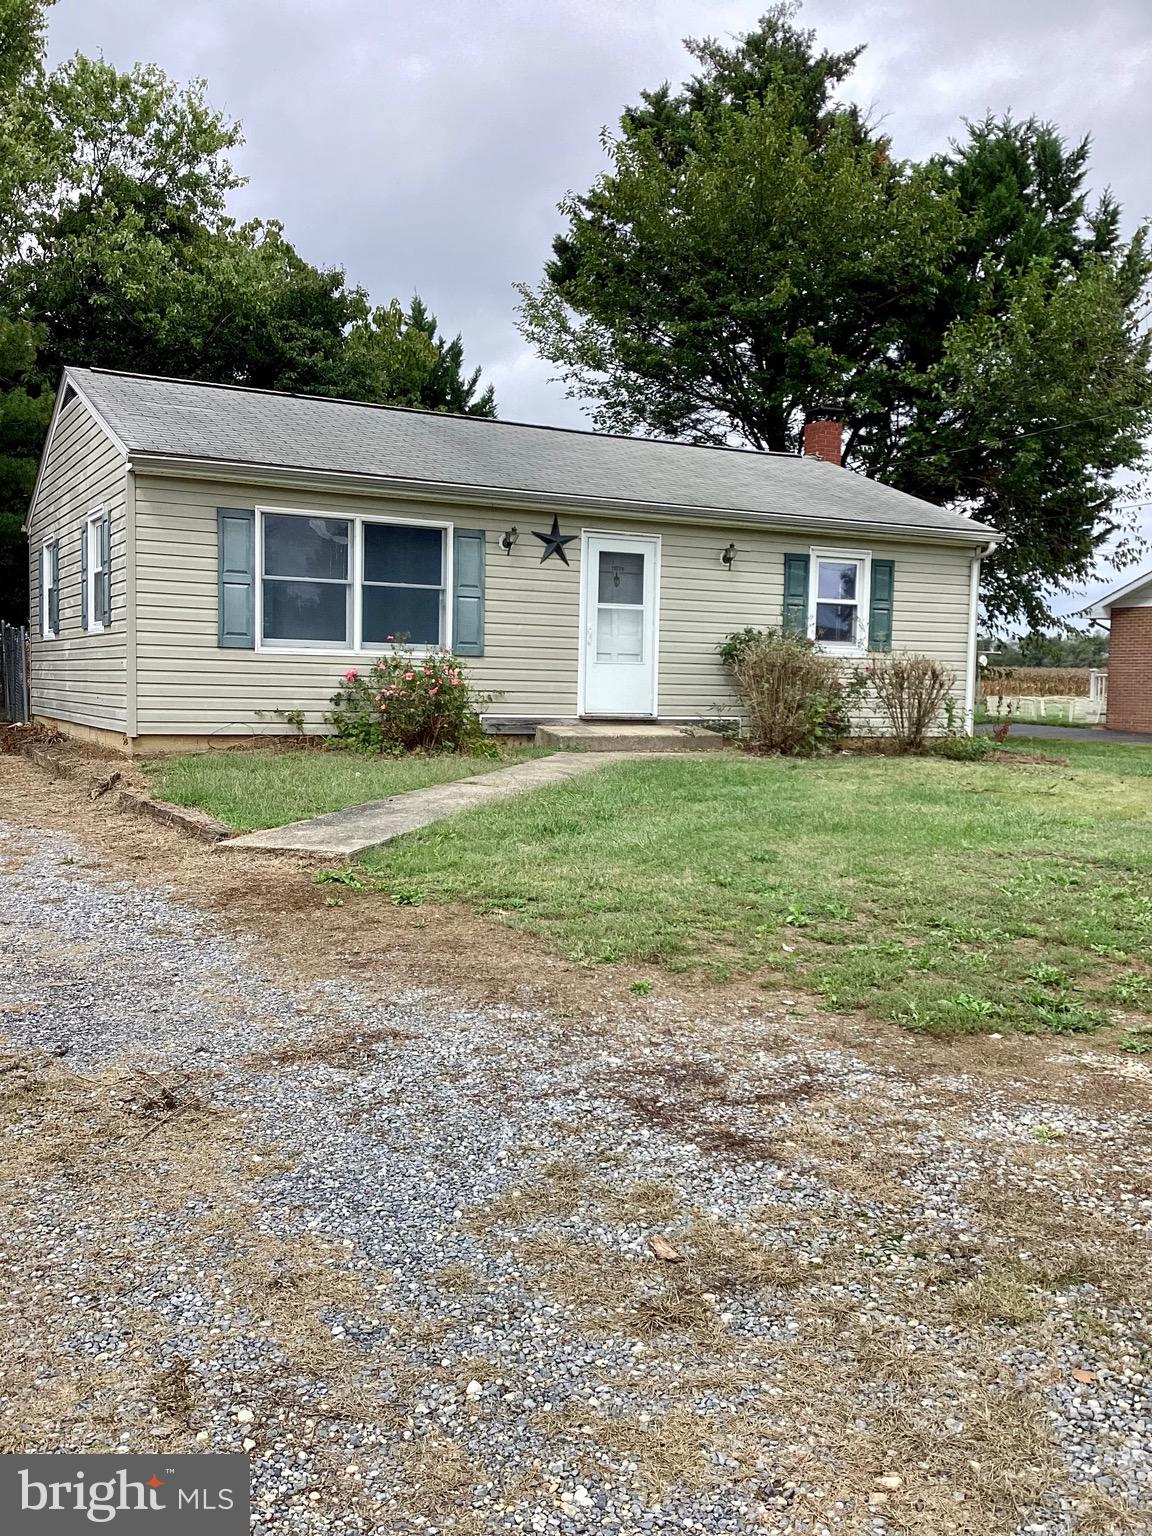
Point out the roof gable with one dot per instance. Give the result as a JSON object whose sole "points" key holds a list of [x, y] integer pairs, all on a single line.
{"points": [[65, 395], [1134, 593]]}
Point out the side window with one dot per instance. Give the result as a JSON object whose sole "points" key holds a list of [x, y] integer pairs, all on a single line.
{"points": [[836, 610], [96, 572], [839, 586], [50, 590]]}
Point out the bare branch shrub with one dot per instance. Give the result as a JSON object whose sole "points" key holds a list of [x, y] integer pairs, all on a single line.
{"points": [[910, 692], [792, 694]]}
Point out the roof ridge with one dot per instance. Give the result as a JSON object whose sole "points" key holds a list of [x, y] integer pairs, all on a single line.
{"points": [[415, 410]]}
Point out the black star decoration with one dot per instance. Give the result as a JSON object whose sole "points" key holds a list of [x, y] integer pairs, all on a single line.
{"points": [[555, 541]]}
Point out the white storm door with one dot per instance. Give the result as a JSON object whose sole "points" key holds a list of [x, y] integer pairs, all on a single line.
{"points": [[619, 647]]}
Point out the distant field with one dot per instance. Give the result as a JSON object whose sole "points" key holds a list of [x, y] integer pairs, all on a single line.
{"points": [[1030, 681]]}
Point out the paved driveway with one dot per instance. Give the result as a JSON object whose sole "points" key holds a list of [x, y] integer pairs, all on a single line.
{"points": [[399, 1251], [1072, 733]]}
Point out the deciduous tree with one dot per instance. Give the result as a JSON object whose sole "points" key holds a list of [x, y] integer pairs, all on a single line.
{"points": [[117, 250]]}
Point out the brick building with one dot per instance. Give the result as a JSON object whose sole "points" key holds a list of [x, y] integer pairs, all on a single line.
{"points": [[1128, 614]]}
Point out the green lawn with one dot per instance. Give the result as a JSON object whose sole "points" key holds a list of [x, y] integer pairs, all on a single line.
{"points": [[945, 896], [252, 790], [1054, 717]]}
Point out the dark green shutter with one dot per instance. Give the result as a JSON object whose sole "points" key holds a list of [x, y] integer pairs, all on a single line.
{"points": [[104, 596], [796, 569], [84, 615], [45, 556], [236, 566], [54, 589], [880, 614], [468, 598]]}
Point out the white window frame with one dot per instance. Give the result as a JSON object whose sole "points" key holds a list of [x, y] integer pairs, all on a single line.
{"points": [[862, 559], [49, 560], [92, 621], [356, 522]]}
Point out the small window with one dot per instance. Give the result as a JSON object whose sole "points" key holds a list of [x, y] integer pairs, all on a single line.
{"points": [[621, 578], [50, 591], [837, 601], [403, 584], [95, 592], [306, 585]]}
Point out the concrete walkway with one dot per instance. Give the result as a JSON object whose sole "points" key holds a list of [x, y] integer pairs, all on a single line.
{"points": [[342, 833], [1072, 733]]}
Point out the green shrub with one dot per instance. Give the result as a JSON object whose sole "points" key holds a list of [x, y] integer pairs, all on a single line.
{"points": [[962, 749], [793, 696], [409, 703]]}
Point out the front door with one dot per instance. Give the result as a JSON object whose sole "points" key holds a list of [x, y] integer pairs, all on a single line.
{"points": [[619, 652]]}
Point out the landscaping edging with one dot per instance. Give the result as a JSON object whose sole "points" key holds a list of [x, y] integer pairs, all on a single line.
{"points": [[50, 764], [196, 824], [136, 802]]}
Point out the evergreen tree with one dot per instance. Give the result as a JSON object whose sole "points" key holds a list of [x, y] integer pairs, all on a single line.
{"points": [[755, 254]]}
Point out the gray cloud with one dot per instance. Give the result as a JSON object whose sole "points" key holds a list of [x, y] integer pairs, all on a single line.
{"points": [[424, 147]]}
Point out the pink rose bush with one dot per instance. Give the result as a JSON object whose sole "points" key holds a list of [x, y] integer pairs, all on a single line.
{"points": [[409, 703]]}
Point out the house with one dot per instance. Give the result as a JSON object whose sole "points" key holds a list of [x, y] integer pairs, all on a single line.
{"points": [[209, 559], [1127, 611]]}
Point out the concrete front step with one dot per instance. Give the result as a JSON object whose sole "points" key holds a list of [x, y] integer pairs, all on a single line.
{"points": [[626, 736]]}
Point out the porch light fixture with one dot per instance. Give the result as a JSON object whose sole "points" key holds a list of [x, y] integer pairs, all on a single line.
{"points": [[508, 539], [728, 555]]}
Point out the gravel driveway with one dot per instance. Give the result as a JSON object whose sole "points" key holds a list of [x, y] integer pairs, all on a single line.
{"points": [[400, 1251]]}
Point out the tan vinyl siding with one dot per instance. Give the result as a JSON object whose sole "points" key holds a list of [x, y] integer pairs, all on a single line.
{"points": [[187, 685], [80, 676], [701, 603]]}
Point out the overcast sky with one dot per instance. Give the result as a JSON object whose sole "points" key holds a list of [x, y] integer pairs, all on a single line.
{"points": [[424, 146]]}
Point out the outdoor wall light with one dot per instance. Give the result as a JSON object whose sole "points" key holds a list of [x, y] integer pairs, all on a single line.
{"points": [[729, 555], [508, 539]]}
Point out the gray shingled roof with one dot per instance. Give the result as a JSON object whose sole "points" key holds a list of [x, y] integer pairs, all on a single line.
{"points": [[173, 417]]}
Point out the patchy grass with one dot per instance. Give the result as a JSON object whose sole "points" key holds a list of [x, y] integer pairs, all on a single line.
{"points": [[253, 790], [662, 1451], [987, 714], [1003, 1293], [952, 898]]}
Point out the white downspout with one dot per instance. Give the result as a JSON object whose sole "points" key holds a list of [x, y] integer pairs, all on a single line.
{"points": [[973, 621]]}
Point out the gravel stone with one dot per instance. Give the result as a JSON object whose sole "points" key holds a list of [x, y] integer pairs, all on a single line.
{"points": [[456, 1168]]}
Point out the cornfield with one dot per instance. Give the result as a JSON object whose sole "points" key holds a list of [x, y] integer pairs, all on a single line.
{"points": [[1030, 682]]}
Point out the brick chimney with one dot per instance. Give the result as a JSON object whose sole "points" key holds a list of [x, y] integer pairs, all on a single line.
{"points": [[822, 440]]}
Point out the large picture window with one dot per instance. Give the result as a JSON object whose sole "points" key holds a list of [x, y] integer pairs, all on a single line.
{"points": [[351, 584], [307, 583], [403, 585]]}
